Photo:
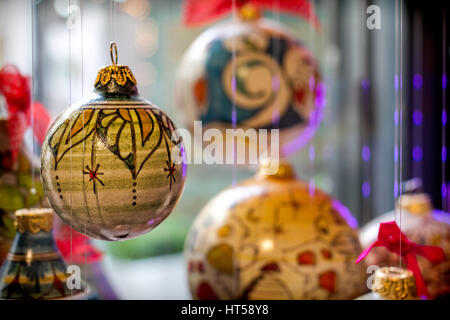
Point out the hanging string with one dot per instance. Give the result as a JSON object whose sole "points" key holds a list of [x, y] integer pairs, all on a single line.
{"points": [[84, 142], [113, 19], [398, 114], [401, 125], [70, 104], [444, 112], [33, 47], [233, 87], [417, 115], [311, 149]]}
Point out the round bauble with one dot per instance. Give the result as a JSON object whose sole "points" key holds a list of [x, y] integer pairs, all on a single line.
{"points": [[252, 74], [271, 237], [108, 165], [422, 224]]}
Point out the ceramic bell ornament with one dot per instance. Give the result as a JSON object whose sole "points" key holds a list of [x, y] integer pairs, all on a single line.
{"points": [[250, 73], [34, 268], [107, 163], [270, 238]]}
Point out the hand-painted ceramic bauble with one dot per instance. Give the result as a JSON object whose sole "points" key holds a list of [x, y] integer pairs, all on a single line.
{"points": [[259, 68], [271, 238], [107, 164], [423, 225], [34, 268]]}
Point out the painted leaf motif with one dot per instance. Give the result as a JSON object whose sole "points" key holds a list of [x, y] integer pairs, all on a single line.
{"points": [[71, 132], [127, 133], [81, 121], [146, 125]]}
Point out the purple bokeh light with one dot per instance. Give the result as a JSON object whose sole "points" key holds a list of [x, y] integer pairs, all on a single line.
{"points": [[275, 83], [417, 117], [365, 153], [444, 81], [365, 84], [443, 190], [395, 153], [311, 153], [345, 213], [417, 81], [444, 154], [312, 187], [444, 117], [417, 153], [366, 189]]}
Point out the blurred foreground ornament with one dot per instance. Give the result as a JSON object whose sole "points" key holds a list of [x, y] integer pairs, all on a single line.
{"points": [[250, 73], [20, 186], [422, 224], [270, 237], [76, 248], [391, 238], [34, 268], [107, 165], [392, 283]]}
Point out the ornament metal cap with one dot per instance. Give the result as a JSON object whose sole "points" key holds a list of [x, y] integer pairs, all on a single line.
{"points": [[34, 220], [416, 203], [115, 79], [395, 283], [249, 12], [266, 168]]}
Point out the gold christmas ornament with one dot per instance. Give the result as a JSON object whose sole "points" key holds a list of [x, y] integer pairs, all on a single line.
{"points": [[422, 224], [107, 163], [272, 237]]}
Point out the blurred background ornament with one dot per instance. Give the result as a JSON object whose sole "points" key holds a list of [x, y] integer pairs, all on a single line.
{"points": [[76, 248], [393, 240], [34, 268], [251, 73], [422, 224], [20, 185], [270, 237], [107, 164]]}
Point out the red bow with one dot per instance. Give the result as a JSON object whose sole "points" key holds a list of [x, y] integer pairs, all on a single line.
{"points": [[17, 92], [198, 12], [390, 237]]}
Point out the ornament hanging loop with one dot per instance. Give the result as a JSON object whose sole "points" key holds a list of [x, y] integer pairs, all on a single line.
{"points": [[111, 47]]}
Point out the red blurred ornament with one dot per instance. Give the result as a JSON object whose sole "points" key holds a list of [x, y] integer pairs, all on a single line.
{"points": [[197, 12], [22, 111], [74, 246], [391, 237]]}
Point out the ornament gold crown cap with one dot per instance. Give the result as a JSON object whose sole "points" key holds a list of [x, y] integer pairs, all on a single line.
{"points": [[249, 12], [395, 283], [116, 79], [416, 203], [267, 167], [34, 220]]}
